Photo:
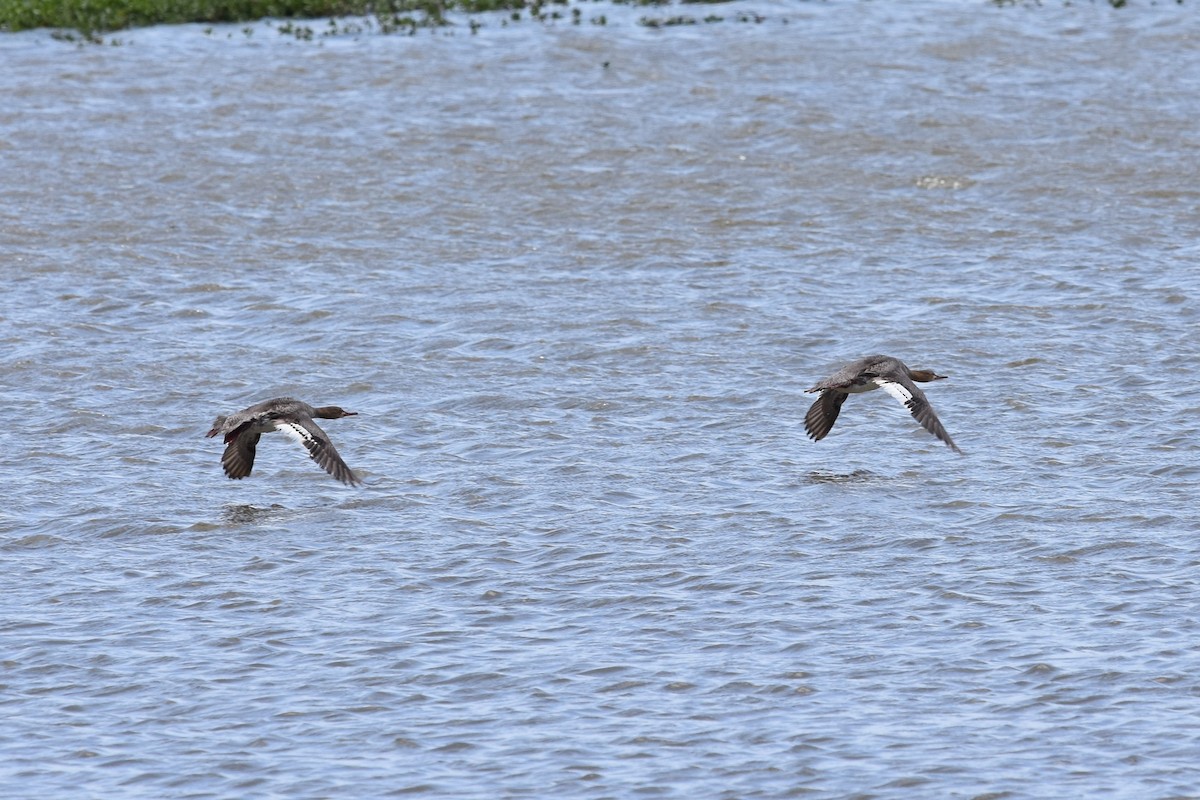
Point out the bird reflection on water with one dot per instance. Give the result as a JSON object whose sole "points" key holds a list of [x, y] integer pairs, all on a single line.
{"points": [[249, 515]]}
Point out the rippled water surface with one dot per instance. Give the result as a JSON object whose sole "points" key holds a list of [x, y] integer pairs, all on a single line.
{"points": [[575, 279]]}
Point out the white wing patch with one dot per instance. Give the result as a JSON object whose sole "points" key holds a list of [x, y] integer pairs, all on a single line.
{"points": [[297, 432], [896, 390]]}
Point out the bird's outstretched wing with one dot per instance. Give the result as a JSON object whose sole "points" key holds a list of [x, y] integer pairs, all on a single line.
{"points": [[316, 441], [917, 404], [823, 413], [238, 458]]}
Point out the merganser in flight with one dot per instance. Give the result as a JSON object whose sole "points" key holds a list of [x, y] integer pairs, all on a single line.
{"points": [[243, 429], [874, 372]]}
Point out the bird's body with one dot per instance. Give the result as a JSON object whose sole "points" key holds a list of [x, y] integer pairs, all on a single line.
{"points": [[874, 372], [243, 429]]}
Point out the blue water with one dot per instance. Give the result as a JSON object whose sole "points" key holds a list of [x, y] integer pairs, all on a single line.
{"points": [[574, 280]]}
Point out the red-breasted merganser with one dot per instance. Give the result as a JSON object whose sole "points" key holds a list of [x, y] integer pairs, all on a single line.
{"points": [[243, 429], [874, 372]]}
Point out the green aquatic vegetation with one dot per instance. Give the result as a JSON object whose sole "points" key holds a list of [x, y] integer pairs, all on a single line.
{"points": [[91, 17], [683, 19]]}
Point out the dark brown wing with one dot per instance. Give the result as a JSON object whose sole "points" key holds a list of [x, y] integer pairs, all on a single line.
{"points": [[823, 413], [320, 448], [238, 458]]}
